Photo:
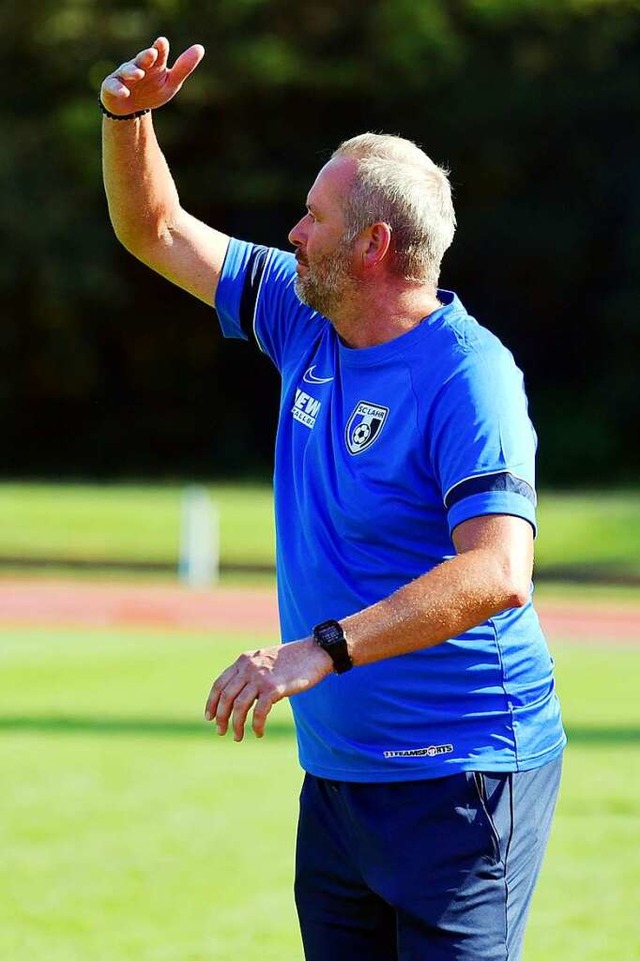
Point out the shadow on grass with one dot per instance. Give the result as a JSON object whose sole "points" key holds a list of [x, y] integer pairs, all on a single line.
{"points": [[180, 728], [123, 726]]}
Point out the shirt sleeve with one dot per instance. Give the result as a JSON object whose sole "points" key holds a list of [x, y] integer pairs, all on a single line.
{"points": [[483, 443], [256, 298]]}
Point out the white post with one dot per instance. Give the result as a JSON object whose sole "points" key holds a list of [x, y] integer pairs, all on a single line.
{"points": [[199, 564]]}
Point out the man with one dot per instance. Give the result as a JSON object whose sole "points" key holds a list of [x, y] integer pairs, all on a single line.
{"points": [[425, 709]]}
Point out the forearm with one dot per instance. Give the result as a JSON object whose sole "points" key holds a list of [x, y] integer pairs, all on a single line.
{"points": [[453, 597], [443, 603], [142, 197]]}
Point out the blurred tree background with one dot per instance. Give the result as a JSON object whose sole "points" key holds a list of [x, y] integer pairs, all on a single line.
{"points": [[107, 371]]}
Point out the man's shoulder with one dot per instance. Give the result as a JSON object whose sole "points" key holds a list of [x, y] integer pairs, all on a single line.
{"points": [[456, 352], [463, 333], [245, 257], [257, 298]]}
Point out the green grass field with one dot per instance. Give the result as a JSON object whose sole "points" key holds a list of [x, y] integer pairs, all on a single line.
{"points": [[127, 522], [130, 832], [142, 523]]}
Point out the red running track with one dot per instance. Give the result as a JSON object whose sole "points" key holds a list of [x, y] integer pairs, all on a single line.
{"points": [[69, 603], [98, 604]]}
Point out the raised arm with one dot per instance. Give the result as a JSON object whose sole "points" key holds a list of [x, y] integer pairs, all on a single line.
{"points": [[144, 205]]}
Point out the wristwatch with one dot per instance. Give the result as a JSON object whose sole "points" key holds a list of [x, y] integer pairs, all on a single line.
{"points": [[330, 636]]}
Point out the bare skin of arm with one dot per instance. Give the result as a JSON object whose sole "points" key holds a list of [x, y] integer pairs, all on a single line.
{"points": [[144, 205], [492, 569], [490, 573]]}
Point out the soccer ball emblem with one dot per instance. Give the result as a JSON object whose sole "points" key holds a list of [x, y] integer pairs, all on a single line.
{"points": [[361, 434], [364, 426]]}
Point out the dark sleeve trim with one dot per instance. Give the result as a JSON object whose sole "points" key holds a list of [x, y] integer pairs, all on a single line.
{"points": [[487, 483], [252, 278]]}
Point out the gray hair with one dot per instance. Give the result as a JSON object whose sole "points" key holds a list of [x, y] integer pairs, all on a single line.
{"points": [[397, 183]]}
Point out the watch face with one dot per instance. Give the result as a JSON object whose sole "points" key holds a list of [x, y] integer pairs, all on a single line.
{"points": [[331, 634]]}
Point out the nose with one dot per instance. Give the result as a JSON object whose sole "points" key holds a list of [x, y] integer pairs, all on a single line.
{"points": [[297, 234]]}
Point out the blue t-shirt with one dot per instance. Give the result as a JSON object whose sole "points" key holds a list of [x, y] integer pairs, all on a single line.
{"points": [[380, 453]]}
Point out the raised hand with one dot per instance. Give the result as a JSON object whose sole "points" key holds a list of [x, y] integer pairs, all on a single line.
{"points": [[147, 81]]}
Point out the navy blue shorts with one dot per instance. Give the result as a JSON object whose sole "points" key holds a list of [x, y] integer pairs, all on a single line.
{"points": [[437, 870]]}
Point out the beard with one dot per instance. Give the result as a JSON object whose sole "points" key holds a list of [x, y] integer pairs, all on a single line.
{"points": [[326, 282]]}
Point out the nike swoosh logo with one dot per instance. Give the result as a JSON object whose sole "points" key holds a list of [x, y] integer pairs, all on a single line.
{"points": [[310, 378]]}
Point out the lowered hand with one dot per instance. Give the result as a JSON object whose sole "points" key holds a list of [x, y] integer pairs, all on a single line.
{"points": [[264, 677]]}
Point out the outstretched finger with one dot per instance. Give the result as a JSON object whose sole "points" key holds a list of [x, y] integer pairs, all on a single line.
{"points": [[226, 703], [114, 85], [217, 688], [119, 83], [147, 58], [241, 707], [186, 64], [129, 72], [161, 45], [260, 713], [223, 697]]}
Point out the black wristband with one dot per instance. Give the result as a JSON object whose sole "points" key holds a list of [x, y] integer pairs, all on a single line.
{"points": [[330, 637], [123, 116]]}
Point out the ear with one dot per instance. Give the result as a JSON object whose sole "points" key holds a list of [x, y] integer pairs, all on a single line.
{"points": [[374, 244]]}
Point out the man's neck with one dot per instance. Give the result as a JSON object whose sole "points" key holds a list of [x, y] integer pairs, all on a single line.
{"points": [[376, 317]]}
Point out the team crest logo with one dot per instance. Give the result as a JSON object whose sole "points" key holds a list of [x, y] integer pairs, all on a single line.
{"points": [[364, 426]]}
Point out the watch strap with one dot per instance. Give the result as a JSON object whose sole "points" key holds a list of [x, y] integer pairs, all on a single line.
{"points": [[330, 637]]}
